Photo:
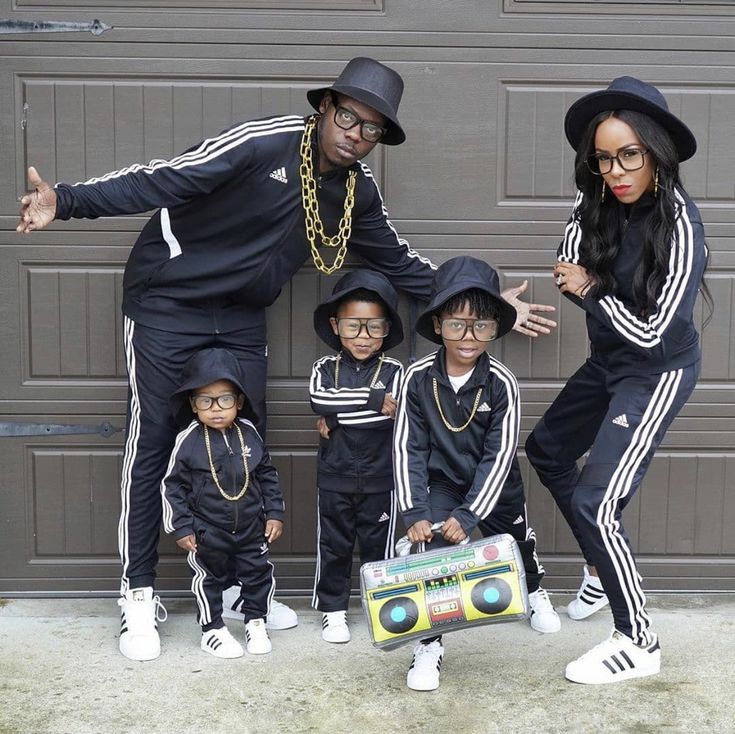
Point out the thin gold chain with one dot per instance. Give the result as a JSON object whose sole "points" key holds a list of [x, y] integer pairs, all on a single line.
{"points": [[230, 497], [313, 222], [452, 428], [372, 382]]}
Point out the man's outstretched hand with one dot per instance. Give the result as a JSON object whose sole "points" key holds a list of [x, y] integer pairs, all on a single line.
{"points": [[37, 208], [528, 321]]}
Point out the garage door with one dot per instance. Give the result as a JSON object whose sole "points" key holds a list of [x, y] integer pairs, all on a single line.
{"points": [[485, 171]]}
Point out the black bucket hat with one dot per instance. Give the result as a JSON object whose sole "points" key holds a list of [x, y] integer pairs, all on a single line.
{"points": [[461, 274], [374, 84], [629, 93], [203, 368], [356, 280]]}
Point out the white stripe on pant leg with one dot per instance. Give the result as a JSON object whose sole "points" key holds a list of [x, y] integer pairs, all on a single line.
{"points": [[197, 587], [619, 487], [390, 547], [658, 409], [317, 572], [272, 591], [131, 449]]}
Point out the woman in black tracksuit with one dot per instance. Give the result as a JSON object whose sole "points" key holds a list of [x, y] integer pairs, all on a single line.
{"points": [[633, 257]]}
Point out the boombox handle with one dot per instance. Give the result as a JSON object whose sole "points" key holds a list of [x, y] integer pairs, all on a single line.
{"points": [[404, 545]]}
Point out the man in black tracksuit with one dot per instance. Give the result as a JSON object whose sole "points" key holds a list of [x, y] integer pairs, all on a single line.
{"points": [[236, 216], [221, 499], [354, 392]]}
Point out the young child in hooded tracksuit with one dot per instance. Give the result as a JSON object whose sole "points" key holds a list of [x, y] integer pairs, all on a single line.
{"points": [[456, 436], [354, 392], [222, 501]]}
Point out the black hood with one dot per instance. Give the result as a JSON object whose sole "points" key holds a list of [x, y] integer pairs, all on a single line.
{"points": [[205, 367], [457, 275], [369, 280]]}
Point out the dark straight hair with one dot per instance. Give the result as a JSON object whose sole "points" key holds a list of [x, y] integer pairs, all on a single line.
{"points": [[602, 223]]}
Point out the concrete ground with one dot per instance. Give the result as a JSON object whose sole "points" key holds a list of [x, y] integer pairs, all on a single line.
{"points": [[61, 673]]}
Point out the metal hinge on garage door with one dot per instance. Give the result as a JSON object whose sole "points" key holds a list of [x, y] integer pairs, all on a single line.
{"points": [[96, 27], [54, 429]]}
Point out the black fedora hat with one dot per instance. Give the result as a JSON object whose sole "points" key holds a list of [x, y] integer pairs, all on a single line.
{"points": [[359, 280], [629, 93], [374, 84], [461, 274]]}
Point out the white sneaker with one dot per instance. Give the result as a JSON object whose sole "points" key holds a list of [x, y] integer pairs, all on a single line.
{"points": [[616, 659], [221, 644], [334, 627], [590, 598], [423, 675], [543, 617], [256, 638], [139, 613], [280, 617]]}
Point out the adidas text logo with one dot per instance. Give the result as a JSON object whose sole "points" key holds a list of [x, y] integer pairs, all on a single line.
{"points": [[621, 420], [280, 175], [484, 408], [384, 517]]}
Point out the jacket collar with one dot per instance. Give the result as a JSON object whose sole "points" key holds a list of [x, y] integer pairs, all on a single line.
{"points": [[346, 358], [479, 375]]}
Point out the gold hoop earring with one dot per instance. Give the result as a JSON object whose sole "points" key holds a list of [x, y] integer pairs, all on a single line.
{"points": [[602, 198], [655, 184]]}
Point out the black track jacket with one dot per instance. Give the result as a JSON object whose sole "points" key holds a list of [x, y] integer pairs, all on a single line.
{"points": [[357, 456], [479, 462], [667, 339], [229, 230], [188, 489]]}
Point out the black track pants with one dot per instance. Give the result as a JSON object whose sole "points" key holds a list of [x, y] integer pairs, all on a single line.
{"points": [[345, 518], [621, 420], [218, 554]]}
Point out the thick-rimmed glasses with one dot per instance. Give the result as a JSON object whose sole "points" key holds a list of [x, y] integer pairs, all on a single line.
{"points": [[351, 328], [346, 119], [484, 330], [205, 402], [630, 159]]}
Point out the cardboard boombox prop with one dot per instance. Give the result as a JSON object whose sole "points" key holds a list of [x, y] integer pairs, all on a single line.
{"points": [[450, 588]]}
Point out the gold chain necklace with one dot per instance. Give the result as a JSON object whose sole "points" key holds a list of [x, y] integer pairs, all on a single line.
{"points": [[312, 219], [231, 498], [372, 382], [452, 428]]}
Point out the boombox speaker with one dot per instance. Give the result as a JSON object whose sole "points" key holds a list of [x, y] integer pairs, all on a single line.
{"points": [[415, 596]]}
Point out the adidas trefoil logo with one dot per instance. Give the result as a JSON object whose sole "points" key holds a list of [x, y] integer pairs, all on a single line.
{"points": [[279, 174], [484, 408], [379, 385], [384, 517], [621, 420]]}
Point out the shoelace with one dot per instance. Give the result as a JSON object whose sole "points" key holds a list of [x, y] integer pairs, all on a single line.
{"points": [[160, 611]]}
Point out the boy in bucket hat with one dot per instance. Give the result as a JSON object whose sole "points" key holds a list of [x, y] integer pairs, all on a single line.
{"points": [[354, 392], [222, 501], [456, 434]]}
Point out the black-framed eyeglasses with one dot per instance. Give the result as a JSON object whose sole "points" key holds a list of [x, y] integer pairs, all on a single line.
{"points": [[205, 402], [351, 328], [484, 330], [630, 159], [346, 119]]}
